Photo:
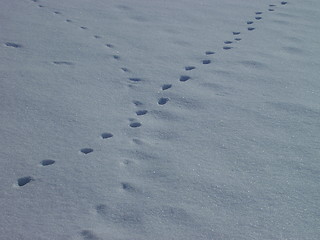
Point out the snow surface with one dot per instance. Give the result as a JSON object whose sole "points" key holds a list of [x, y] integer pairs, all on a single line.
{"points": [[149, 119]]}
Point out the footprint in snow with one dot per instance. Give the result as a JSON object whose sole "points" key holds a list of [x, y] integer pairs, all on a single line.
{"points": [[284, 3], [206, 61], [86, 150], [141, 112], [166, 86], [163, 101], [69, 20], [237, 39], [189, 68], [47, 162], [57, 12], [209, 52], [249, 22], [226, 47], [125, 69], [184, 78], [235, 33], [227, 42], [117, 57], [251, 28], [258, 13], [106, 135], [135, 79], [97, 36], [24, 180], [14, 45], [258, 18], [89, 235], [85, 28], [63, 63], [135, 124]]}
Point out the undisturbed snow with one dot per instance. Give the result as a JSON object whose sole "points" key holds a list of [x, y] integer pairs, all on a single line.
{"points": [[172, 119]]}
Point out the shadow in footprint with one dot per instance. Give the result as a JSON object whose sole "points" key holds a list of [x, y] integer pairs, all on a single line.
{"points": [[68, 20], [24, 180], [135, 124], [189, 68], [89, 235], [63, 63], [258, 13], [163, 101], [237, 39], [125, 69], [184, 78], [106, 135], [209, 52], [128, 187], [47, 162], [56, 12], [84, 28], [117, 57], [141, 112], [166, 86], [258, 18], [235, 33], [228, 42], [284, 3], [135, 79], [97, 36], [86, 150], [206, 61], [251, 28], [14, 45], [137, 103], [227, 47]]}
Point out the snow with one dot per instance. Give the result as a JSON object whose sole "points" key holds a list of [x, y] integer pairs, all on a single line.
{"points": [[180, 119]]}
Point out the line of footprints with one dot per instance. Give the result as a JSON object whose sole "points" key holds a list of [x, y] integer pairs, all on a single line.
{"points": [[161, 101], [133, 123]]}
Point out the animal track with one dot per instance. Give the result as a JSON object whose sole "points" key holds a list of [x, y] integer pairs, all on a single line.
{"points": [[137, 103], [141, 112], [209, 52], [106, 135], [88, 235], [117, 57], [270, 9], [227, 47], [135, 124], [63, 63], [125, 69], [56, 12], [237, 39], [228, 42], [258, 13], [189, 68], [135, 79], [235, 33], [109, 45], [68, 20], [163, 101], [84, 28], [128, 187], [86, 150], [47, 162], [24, 180], [284, 3], [206, 61], [14, 45], [251, 28], [166, 86], [97, 36], [184, 78], [249, 22], [258, 18]]}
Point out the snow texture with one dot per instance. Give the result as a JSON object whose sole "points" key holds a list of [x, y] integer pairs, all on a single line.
{"points": [[172, 119]]}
